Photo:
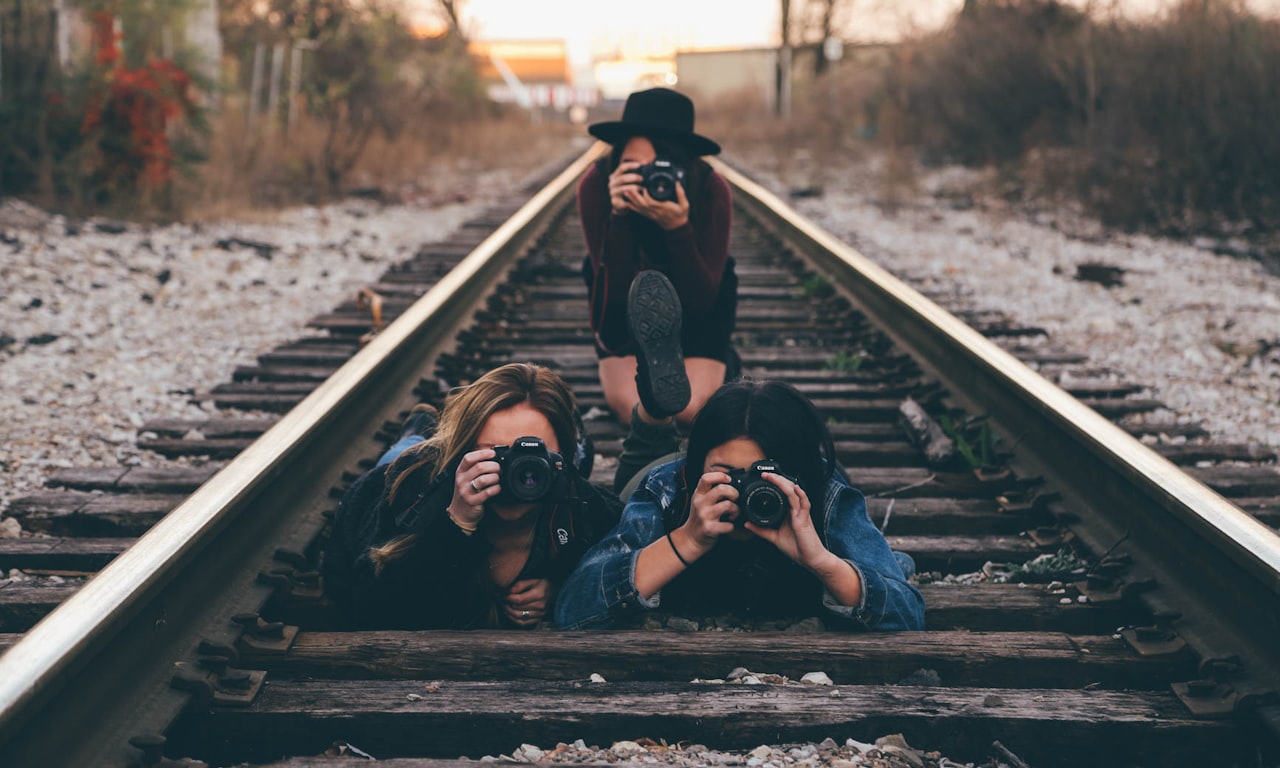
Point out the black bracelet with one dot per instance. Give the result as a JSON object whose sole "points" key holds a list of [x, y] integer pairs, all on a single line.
{"points": [[679, 557]]}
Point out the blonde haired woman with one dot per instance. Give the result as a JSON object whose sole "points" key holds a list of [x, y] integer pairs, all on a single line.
{"points": [[476, 524]]}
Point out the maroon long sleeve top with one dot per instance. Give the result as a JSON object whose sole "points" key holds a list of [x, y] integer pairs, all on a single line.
{"points": [[695, 256]]}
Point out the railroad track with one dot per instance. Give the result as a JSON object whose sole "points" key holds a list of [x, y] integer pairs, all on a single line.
{"points": [[1153, 643]]}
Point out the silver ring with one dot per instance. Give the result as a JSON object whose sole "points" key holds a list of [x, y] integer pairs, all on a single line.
{"points": [[524, 614], [474, 487]]}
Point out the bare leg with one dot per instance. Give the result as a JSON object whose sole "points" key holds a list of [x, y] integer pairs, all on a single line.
{"points": [[618, 379], [705, 377]]}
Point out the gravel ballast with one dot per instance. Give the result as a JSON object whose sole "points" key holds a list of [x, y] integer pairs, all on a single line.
{"points": [[102, 331], [1202, 330]]}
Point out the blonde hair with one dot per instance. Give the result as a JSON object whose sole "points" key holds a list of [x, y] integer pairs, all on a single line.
{"points": [[466, 410]]}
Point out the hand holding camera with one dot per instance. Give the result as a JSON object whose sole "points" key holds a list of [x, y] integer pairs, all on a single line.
{"points": [[654, 190], [760, 501], [661, 178], [726, 501], [528, 472], [524, 472]]}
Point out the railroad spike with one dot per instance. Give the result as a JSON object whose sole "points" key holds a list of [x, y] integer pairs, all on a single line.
{"points": [[211, 648], [1207, 698], [194, 681], [255, 626], [291, 557], [264, 638], [1221, 667], [152, 747], [1154, 641]]}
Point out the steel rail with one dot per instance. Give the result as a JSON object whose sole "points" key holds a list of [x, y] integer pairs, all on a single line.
{"points": [[150, 606], [1199, 543]]}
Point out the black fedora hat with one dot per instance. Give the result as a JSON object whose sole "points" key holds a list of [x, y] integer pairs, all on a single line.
{"points": [[659, 113]]}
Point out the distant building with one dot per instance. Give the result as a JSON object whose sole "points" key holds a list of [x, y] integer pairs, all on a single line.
{"points": [[531, 73], [751, 74]]}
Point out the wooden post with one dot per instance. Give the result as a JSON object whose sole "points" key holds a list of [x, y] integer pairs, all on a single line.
{"points": [[295, 77], [255, 84], [273, 90], [784, 82], [295, 72]]}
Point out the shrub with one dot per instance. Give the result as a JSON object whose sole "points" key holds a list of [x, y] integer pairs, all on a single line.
{"points": [[128, 114], [1166, 124]]}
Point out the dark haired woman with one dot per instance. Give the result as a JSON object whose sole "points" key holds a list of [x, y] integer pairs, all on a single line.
{"points": [[432, 539], [662, 285], [682, 539]]}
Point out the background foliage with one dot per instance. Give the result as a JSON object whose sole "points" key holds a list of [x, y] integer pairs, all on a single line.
{"points": [[1167, 124]]}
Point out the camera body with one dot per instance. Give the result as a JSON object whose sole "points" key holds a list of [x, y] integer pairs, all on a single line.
{"points": [[528, 471], [760, 501], [660, 179]]}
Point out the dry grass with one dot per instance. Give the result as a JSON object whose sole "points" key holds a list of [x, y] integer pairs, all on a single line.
{"points": [[250, 173], [838, 123], [1164, 124]]}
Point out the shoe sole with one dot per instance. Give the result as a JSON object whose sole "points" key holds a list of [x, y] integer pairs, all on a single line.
{"points": [[653, 314]]}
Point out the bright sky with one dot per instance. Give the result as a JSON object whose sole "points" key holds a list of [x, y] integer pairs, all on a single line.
{"points": [[661, 26], [629, 32], [596, 26], [658, 27]]}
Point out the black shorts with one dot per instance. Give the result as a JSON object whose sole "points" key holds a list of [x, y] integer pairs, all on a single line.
{"points": [[702, 333]]}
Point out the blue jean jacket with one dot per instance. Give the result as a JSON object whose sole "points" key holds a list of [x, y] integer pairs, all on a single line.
{"points": [[602, 588]]}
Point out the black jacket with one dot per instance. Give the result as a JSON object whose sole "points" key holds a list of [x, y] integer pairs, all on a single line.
{"points": [[442, 581]]}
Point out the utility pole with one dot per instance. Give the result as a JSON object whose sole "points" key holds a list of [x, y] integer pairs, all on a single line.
{"points": [[782, 102]]}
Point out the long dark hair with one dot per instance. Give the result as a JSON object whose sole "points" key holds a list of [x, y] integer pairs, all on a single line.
{"points": [[779, 418]]}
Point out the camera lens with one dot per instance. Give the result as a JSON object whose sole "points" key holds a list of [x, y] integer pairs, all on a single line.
{"points": [[661, 186], [527, 478], [765, 505]]}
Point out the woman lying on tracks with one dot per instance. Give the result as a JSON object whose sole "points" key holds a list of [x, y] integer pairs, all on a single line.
{"points": [[654, 207], [478, 520], [757, 519]]}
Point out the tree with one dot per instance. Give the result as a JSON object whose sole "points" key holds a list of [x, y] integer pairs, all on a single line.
{"points": [[371, 72], [805, 22]]}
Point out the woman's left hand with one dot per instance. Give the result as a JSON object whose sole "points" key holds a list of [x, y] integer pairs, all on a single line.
{"points": [[526, 602], [668, 214], [796, 538]]}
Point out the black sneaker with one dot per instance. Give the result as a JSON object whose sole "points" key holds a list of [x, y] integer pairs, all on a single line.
{"points": [[421, 420], [653, 316]]}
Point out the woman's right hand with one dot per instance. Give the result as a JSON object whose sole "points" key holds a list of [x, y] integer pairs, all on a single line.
{"points": [[475, 482], [623, 182], [712, 512]]}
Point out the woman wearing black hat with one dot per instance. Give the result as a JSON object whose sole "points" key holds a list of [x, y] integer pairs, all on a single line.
{"points": [[656, 220]]}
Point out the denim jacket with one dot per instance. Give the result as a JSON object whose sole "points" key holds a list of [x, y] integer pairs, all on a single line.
{"points": [[602, 588]]}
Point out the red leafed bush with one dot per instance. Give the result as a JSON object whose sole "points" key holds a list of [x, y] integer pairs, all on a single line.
{"points": [[129, 114]]}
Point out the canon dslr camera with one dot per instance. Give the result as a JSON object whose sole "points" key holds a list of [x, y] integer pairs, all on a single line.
{"points": [[528, 471], [660, 178], [759, 500]]}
